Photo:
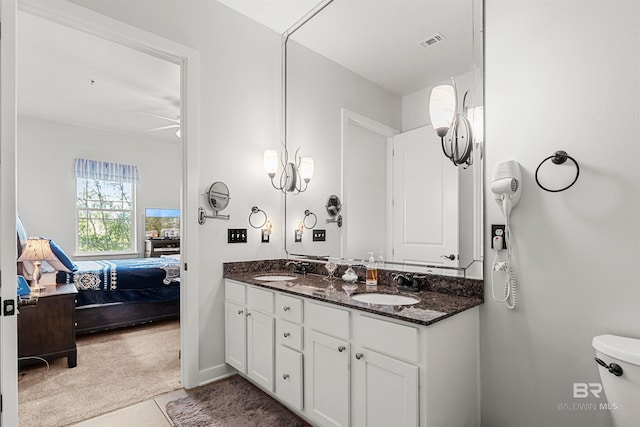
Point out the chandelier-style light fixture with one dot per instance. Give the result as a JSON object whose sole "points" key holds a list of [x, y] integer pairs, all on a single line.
{"points": [[295, 175]]}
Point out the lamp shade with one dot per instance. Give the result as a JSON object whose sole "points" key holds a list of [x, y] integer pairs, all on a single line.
{"points": [[442, 108], [270, 162], [306, 169], [37, 250]]}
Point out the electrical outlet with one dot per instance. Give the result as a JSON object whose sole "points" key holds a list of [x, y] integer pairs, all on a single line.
{"points": [[236, 235], [319, 235], [498, 230], [265, 236]]}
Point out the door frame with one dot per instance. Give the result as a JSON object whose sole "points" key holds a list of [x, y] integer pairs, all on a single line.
{"points": [[89, 21], [349, 117], [8, 251]]}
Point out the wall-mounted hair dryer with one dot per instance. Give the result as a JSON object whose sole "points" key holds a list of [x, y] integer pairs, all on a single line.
{"points": [[507, 188], [507, 185]]}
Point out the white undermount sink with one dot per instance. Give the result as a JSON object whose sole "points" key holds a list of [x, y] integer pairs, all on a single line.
{"points": [[385, 299], [275, 278]]}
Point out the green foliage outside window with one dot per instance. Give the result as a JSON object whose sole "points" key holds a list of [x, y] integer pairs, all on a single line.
{"points": [[105, 216]]}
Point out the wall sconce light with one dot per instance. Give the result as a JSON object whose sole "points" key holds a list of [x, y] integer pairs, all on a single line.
{"points": [[453, 128], [295, 176], [298, 232]]}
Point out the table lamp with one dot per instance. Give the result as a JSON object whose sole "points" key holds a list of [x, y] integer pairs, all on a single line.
{"points": [[37, 250]]}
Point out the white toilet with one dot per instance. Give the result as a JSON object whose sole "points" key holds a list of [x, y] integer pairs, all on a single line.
{"points": [[621, 355]]}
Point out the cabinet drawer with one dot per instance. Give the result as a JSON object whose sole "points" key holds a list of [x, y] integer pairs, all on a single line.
{"points": [[289, 376], [289, 308], [289, 334], [388, 338], [260, 299], [234, 291], [328, 320]]}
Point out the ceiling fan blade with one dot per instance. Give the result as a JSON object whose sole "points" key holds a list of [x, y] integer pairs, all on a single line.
{"points": [[165, 127], [161, 117]]}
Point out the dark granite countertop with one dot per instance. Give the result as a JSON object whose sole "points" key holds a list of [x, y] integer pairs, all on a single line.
{"points": [[433, 306]]}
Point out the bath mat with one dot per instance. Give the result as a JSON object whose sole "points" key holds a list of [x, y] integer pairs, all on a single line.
{"points": [[232, 402]]}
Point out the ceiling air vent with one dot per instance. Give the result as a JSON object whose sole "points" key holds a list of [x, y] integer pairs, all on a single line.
{"points": [[436, 38]]}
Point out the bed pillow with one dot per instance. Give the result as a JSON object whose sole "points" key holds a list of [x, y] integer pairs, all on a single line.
{"points": [[63, 263]]}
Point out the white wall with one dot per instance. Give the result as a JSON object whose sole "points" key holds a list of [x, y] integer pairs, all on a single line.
{"points": [[561, 75], [318, 89], [239, 119], [46, 177]]}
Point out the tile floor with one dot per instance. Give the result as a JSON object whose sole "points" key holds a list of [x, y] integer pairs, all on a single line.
{"points": [[150, 413]]}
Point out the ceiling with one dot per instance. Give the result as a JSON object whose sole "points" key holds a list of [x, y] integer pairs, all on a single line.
{"points": [[68, 76], [379, 39]]}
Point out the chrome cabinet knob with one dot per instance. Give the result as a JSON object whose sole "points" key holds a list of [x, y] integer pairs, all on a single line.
{"points": [[240, 311], [285, 376], [286, 308], [286, 334], [359, 356], [341, 348], [248, 314], [451, 257]]}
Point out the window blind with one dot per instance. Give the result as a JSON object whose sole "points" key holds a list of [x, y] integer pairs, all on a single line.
{"points": [[107, 171]]}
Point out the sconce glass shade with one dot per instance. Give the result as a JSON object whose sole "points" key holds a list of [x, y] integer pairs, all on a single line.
{"points": [[476, 117], [306, 168], [271, 162], [442, 108]]}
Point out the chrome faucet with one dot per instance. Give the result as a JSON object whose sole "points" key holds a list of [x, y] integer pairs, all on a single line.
{"points": [[408, 282], [298, 266]]}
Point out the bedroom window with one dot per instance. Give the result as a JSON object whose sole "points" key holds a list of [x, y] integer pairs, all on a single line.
{"points": [[105, 195]]}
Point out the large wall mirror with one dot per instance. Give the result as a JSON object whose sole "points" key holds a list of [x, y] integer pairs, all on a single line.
{"points": [[358, 80]]}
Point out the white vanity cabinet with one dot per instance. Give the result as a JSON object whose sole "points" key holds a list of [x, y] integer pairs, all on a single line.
{"points": [[385, 369], [250, 332], [327, 372], [289, 358], [235, 336], [340, 366]]}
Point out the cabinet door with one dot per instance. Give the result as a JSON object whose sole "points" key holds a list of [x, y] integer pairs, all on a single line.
{"points": [[235, 336], [328, 379], [260, 348], [385, 391], [289, 376]]}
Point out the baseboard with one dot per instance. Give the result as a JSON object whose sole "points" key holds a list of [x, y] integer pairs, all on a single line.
{"points": [[215, 373]]}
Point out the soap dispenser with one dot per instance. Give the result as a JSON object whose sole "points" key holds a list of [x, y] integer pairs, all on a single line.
{"points": [[372, 271]]}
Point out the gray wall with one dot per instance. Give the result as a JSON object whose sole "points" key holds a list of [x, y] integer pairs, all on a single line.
{"points": [[561, 75]]}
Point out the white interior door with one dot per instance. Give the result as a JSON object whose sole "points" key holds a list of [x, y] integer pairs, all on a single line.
{"points": [[8, 253], [425, 200], [366, 188]]}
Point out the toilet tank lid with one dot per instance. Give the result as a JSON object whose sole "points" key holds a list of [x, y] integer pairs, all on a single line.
{"points": [[622, 348]]}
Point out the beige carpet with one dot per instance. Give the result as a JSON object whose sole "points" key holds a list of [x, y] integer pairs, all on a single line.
{"points": [[115, 369], [233, 402]]}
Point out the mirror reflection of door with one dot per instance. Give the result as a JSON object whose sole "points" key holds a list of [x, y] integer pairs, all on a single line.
{"points": [[425, 194], [366, 157]]}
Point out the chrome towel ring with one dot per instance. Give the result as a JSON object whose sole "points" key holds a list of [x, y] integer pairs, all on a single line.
{"points": [[255, 210]]}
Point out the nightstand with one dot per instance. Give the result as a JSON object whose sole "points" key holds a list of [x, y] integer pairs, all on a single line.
{"points": [[48, 329]]}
